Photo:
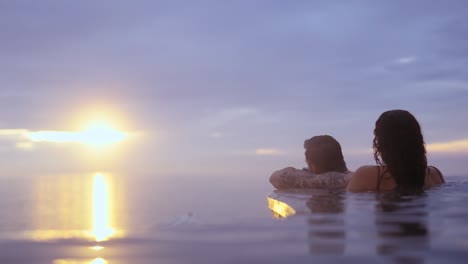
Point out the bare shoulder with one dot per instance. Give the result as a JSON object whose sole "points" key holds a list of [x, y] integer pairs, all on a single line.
{"points": [[436, 177], [363, 179]]}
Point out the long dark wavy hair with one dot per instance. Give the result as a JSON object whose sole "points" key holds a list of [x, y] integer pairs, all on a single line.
{"points": [[399, 144]]}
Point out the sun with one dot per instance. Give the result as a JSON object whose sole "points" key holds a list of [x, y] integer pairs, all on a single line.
{"points": [[101, 133]]}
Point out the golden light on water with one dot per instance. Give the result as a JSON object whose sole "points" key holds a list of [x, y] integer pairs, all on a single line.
{"points": [[78, 261], [97, 248], [99, 261], [96, 134], [102, 229], [77, 207], [279, 208]]}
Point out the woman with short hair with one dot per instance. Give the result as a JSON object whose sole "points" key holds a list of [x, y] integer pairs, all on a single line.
{"points": [[326, 167]]}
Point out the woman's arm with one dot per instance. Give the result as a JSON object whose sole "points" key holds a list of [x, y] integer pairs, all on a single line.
{"points": [[285, 178], [291, 178]]}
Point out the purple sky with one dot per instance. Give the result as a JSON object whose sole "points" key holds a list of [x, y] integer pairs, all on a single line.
{"points": [[216, 85]]}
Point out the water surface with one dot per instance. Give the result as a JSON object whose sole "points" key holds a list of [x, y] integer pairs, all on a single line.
{"points": [[111, 218]]}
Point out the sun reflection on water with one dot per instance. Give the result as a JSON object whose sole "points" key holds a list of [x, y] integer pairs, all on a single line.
{"points": [[98, 261], [280, 209], [77, 261], [102, 229], [76, 207]]}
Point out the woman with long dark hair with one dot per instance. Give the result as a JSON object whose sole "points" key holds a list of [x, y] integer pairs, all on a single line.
{"points": [[400, 155]]}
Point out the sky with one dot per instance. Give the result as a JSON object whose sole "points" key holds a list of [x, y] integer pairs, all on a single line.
{"points": [[227, 87]]}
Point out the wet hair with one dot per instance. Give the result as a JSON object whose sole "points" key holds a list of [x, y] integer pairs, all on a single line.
{"points": [[325, 153], [399, 144]]}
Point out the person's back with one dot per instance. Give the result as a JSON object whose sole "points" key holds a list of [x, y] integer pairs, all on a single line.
{"points": [[326, 167], [378, 178], [400, 155]]}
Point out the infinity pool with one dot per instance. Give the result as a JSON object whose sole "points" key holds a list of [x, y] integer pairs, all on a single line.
{"points": [[102, 218]]}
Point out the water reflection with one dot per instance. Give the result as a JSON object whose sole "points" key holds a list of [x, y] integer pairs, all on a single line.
{"points": [[326, 226], [102, 229], [280, 209], [401, 223], [79, 261], [63, 207], [75, 206], [97, 248]]}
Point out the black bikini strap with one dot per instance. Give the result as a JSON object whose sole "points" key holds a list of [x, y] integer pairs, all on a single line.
{"points": [[378, 179]]}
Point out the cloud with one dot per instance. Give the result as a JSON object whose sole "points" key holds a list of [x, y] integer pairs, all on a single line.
{"points": [[216, 134], [25, 145], [95, 136], [456, 146], [215, 119], [447, 147], [13, 132], [404, 60], [358, 151], [268, 152]]}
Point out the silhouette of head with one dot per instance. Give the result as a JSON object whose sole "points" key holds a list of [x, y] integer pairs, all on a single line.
{"points": [[323, 154], [399, 144]]}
